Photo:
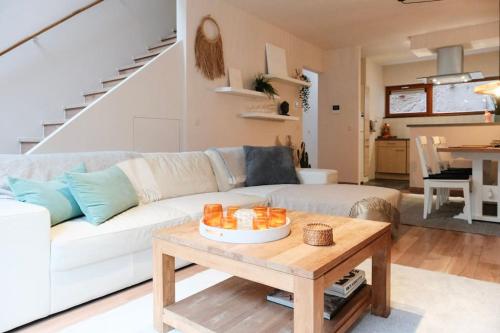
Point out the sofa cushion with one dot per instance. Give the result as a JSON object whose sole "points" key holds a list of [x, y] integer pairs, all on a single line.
{"points": [[263, 191], [193, 204], [53, 195], [179, 174], [229, 167], [48, 166], [140, 175], [76, 243], [334, 199], [269, 166], [102, 194]]}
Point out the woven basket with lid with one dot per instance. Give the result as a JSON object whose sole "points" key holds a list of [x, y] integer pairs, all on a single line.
{"points": [[318, 234]]}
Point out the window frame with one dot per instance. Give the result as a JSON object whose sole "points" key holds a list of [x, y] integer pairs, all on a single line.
{"points": [[429, 105]]}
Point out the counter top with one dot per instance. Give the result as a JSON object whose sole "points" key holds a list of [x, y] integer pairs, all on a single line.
{"points": [[451, 125], [392, 139]]}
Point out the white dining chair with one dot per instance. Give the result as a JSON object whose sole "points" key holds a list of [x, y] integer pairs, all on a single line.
{"points": [[440, 181]]}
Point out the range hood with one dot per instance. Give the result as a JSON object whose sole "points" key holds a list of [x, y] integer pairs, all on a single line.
{"points": [[450, 67]]}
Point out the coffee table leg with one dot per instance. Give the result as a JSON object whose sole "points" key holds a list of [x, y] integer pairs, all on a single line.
{"points": [[308, 305], [163, 285], [381, 279]]}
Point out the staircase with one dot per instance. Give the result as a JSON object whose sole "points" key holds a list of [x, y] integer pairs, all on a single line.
{"points": [[27, 143]]}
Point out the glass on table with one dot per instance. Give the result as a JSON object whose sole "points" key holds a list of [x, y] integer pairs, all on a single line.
{"points": [[212, 214], [229, 223], [261, 211], [231, 210], [260, 223], [277, 217]]}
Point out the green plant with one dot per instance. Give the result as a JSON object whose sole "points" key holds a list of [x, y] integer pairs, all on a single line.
{"points": [[304, 93], [264, 85]]}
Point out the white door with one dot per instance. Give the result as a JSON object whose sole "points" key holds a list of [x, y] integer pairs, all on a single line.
{"points": [[310, 120]]}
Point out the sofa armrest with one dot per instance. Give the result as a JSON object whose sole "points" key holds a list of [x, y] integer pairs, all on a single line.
{"points": [[25, 257], [317, 176]]}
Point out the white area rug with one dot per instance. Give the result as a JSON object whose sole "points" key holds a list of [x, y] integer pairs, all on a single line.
{"points": [[422, 301]]}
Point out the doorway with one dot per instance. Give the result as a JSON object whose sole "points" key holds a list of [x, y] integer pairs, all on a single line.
{"points": [[310, 119]]}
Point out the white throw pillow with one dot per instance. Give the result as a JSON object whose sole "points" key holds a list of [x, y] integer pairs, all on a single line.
{"points": [[140, 175], [181, 174], [229, 167]]}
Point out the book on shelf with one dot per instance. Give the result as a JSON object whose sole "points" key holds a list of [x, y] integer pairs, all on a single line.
{"points": [[347, 284], [332, 306]]}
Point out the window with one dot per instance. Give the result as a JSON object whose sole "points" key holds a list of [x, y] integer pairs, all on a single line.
{"points": [[427, 100], [452, 98]]}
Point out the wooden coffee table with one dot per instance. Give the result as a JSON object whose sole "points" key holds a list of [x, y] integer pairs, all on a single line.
{"points": [[239, 303]]}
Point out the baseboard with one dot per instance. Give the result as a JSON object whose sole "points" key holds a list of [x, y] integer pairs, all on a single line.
{"points": [[453, 193]]}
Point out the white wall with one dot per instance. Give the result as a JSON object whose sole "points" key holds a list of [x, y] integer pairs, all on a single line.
{"points": [[142, 113], [213, 119], [340, 84], [40, 77]]}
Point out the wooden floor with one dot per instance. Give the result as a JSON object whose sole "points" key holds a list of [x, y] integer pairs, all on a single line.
{"points": [[470, 255]]}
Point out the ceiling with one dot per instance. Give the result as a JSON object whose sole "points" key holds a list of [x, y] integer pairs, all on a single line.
{"points": [[381, 27]]}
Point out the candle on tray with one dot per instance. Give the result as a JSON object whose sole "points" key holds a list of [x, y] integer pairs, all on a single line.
{"points": [[261, 211]]}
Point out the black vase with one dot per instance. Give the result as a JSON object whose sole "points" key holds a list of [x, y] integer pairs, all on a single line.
{"points": [[284, 108]]}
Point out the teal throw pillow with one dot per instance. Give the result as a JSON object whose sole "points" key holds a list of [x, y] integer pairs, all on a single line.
{"points": [[53, 195], [102, 194]]}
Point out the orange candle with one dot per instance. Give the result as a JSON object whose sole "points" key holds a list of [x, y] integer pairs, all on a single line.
{"points": [[260, 223], [212, 214], [231, 210], [229, 223], [261, 211], [277, 217]]}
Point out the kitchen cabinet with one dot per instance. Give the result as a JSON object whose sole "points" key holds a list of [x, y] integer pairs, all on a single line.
{"points": [[392, 158]]}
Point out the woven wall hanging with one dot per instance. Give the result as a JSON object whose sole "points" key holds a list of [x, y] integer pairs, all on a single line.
{"points": [[208, 51]]}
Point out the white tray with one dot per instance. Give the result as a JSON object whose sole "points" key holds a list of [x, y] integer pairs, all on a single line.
{"points": [[244, 236]]}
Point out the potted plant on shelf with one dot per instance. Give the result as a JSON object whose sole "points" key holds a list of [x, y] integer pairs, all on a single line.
{"points": [[263, 85], [304, 91]]}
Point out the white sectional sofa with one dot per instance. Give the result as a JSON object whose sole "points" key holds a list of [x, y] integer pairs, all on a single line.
{"points": [[46, 270]]}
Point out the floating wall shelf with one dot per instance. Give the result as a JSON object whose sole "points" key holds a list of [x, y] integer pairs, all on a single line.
{"points": [[267, 116], [287, 79], [242, 92]]}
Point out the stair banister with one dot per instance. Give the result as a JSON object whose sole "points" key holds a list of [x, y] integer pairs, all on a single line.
{"points": [[50, 26]]}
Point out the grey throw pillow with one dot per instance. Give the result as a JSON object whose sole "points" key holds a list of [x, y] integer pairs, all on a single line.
{"points": [[269, 166]]}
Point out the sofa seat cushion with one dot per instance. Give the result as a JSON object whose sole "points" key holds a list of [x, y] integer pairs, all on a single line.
{"points": [[77, 243], [334, 199], [262, 191], [193, 204]]}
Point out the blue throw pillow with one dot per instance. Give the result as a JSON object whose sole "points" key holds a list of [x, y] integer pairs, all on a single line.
{"points": [[53, 195], [102, 194]]}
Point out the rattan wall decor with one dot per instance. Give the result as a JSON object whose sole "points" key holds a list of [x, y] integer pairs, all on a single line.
{"points": [[208, 51]]}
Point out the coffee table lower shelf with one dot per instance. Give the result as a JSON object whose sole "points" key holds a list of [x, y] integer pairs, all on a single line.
{"points": [[238, 305]]}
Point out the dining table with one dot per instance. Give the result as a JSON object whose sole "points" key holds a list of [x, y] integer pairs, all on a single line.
{"points": [[484, 190]]}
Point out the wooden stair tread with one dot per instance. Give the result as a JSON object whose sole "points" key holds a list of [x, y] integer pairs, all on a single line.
{"points": [[76, 106], [115, 78], [162, 44], [147, 55], [29, 140], [169, 37], [52, 122], [96, 92], [133, 65]]}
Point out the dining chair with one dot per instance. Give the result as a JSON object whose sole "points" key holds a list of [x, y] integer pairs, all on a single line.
{"points": [[440, 181], [446, 165]]}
